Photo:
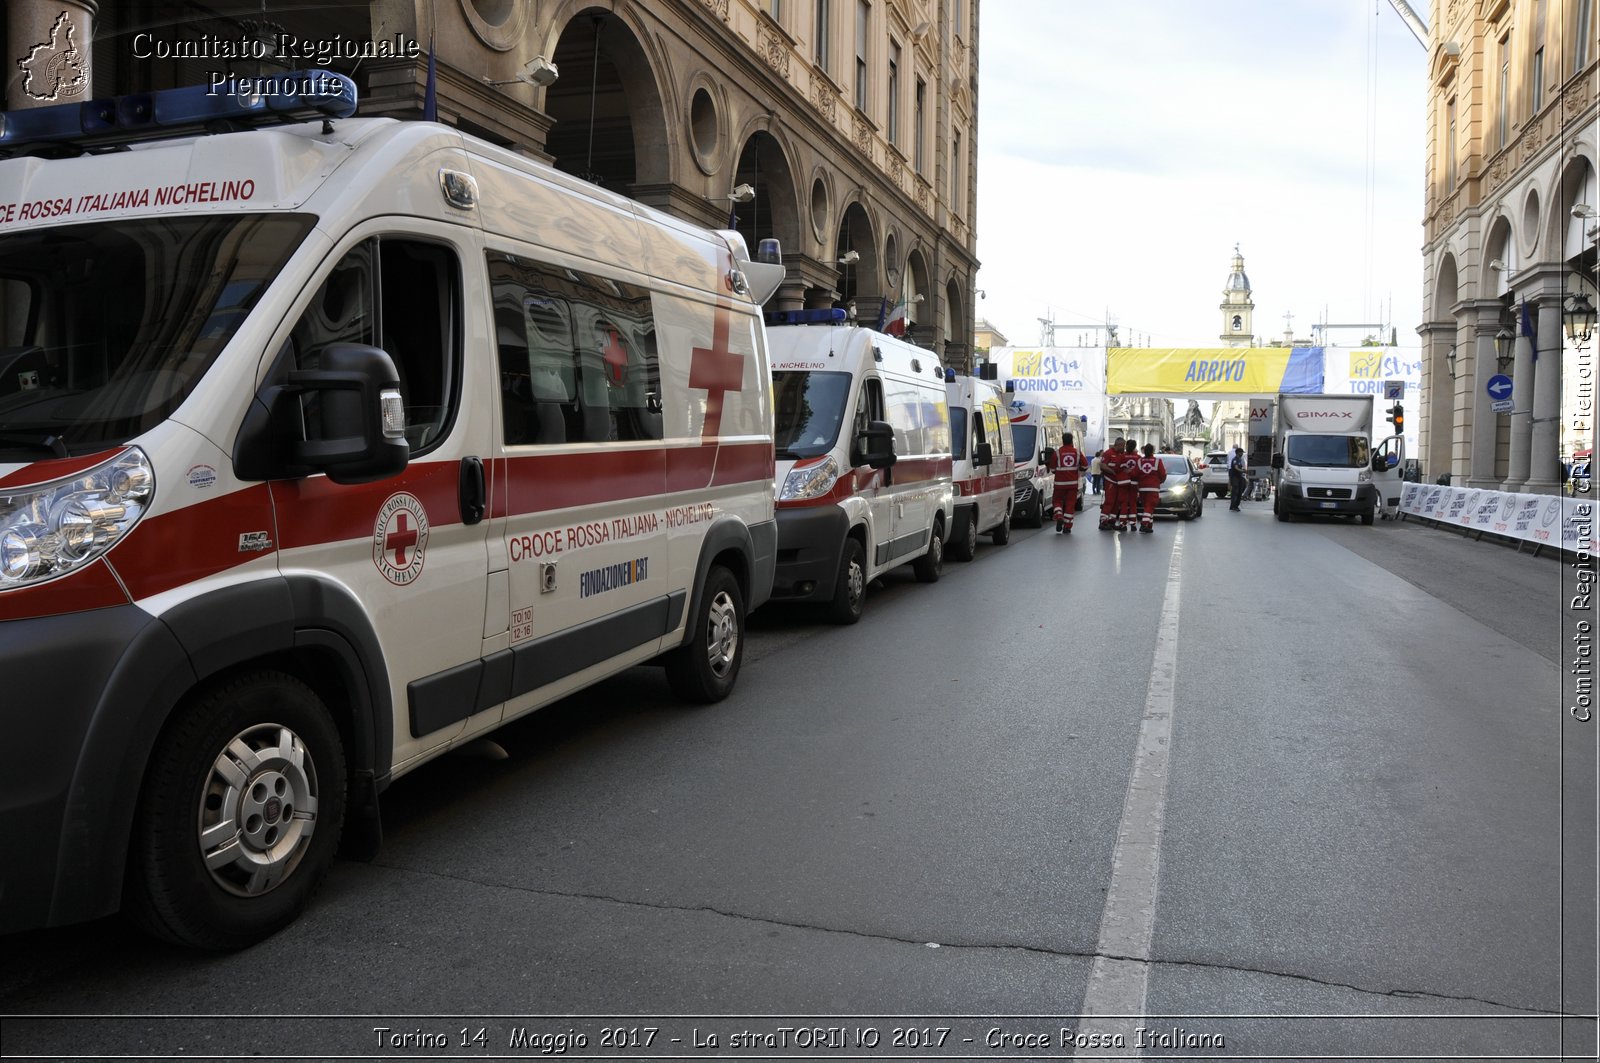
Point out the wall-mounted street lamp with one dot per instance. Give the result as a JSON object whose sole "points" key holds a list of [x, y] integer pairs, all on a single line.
{"points": [[1504, 341], [1450, 362], [1578, 317]]}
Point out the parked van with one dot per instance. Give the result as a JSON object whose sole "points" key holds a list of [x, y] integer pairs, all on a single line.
{"points": [[863, 459], [1036, 432], [325, 447], [983, 461]]}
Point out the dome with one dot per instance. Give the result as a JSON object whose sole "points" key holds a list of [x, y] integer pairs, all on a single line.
{"points": [[1237, 281]]}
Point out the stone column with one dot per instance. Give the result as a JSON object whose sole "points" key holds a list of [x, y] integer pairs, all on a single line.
{"points": [[1486, 321], [1521, 413], [1545, 474], [1434, 418]]}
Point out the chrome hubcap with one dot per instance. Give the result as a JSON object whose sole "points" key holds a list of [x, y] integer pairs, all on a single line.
{"points": [[258, 810], [722, 635], [858, 585]]}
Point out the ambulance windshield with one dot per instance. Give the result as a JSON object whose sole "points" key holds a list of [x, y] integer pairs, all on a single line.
{"points": [[1024, 436], [106, 328], [809, 406]]}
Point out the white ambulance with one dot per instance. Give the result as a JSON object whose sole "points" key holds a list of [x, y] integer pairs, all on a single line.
{"points": [[1036, 432], [983, 458], [862, 436], [325, 447]]}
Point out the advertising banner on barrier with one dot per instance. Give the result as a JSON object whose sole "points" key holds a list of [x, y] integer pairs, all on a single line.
{"points": [[1073, 378], [1547, 520], [1237, 371]]}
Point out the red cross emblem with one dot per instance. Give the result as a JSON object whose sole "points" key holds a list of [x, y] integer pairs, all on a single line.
{"points": [[718, 370], [400, 538]]}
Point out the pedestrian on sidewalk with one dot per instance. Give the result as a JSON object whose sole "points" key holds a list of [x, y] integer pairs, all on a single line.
{"points": [[1237, 475], [1152, 473], [1069, 470], [1094, 474]]}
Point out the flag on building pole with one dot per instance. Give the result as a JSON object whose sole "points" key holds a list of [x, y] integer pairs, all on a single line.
{"points": [[1527, 330], [895, 324], [430, 96]]}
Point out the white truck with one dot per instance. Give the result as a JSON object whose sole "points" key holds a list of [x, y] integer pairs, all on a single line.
{"points": [[1325, 460]]}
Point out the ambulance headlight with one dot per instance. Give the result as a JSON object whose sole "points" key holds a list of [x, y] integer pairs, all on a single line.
{"points": [[51, 529], [1290, 475], [810, 481], [1364, 476]]}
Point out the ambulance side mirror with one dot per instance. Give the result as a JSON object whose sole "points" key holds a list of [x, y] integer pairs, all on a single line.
{"points": [[983, 454], [877, 445], [1048, 457], [1277, 461], [345, 418]]}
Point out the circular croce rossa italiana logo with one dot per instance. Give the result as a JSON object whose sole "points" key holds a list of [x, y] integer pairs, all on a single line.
{"points": [[400, 538]]}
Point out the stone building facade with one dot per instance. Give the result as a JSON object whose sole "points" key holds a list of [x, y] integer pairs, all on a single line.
{"points": [[1510, 219], [854, 122]]}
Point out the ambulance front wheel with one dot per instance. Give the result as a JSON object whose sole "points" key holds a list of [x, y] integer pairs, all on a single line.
{"points": [[704, 668], [964, 544], [850, 588], [240, 814]]}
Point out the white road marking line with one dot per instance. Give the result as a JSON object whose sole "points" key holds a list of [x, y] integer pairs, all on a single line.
{"points": [[1114, 1002]]}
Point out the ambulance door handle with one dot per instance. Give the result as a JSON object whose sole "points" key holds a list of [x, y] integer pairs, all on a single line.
{"points": [[474, 497]]}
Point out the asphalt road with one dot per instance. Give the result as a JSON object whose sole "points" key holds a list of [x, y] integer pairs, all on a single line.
{"points": [[1356, 791]]}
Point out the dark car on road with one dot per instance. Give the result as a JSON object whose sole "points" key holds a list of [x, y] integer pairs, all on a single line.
{"points": [[1183, 493]]}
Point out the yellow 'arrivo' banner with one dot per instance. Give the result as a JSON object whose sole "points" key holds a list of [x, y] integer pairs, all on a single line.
{"points": [[1201, 370]]}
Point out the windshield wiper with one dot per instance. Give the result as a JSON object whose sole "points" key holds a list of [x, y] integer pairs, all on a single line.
{"points": [[50, 444]]}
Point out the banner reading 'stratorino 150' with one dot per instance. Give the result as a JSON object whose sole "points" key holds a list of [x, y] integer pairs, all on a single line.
{"points": [[1213, 370]]}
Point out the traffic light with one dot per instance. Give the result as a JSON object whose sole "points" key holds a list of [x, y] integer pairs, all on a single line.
{"points": [[1397, 417]]}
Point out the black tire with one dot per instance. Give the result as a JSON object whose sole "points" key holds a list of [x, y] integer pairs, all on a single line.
{"points": [[850, 587], [1199, 508], [1002, 531], [1033, 516], [1368, 517], [259, 751], [703, 669], [930, 566], [1280, 512], [964, 544]]}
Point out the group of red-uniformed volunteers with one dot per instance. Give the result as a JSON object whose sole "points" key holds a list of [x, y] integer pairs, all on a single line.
{"points": [[1132, 485]]}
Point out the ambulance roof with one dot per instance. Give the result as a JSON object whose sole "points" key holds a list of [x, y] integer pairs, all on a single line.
{"points": [[363, 168]]}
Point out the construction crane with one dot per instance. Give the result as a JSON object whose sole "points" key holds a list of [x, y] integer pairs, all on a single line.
{"points": [[1413, 21]]}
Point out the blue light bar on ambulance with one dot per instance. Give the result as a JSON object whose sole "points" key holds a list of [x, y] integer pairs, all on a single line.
{"points": [[831, 316], [151, 115]]}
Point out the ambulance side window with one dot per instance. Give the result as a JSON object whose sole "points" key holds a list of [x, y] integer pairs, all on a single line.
{"points": [[577, 352], [416, 321]]}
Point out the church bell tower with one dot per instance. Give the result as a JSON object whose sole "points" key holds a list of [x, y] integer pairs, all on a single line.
{"points": [[1237, 306]]}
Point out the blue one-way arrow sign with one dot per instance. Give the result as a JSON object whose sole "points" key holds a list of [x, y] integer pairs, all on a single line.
{"points": [[1499, 386]]}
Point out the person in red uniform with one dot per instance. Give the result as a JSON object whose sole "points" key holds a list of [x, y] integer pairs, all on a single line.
{"points": [[1111, 471], [1128, 504], [1069, 469], [1151, 472]]}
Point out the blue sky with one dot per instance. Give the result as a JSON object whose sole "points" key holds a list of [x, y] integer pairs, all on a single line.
{"points": [[1124, 148]]}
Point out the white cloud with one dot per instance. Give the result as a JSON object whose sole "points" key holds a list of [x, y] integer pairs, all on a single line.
{"points": [[1121, 161]]}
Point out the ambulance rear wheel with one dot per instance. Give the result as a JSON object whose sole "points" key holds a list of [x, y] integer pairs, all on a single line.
{"points": [[1002, 531], [240, 814], [703, 669], [850, 589], [930, 566]]}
